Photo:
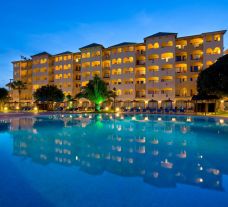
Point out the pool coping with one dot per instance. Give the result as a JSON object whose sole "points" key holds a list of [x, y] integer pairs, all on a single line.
{"points": [[6, 116]]}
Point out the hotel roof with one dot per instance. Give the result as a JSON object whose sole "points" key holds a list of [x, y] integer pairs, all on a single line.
{"points": [[123, 44], [64, 53], [91, 45], [40, 54], [160, 34]]}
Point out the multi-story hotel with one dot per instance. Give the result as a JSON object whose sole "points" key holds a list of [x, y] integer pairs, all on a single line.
{"points": [[163, 67]]}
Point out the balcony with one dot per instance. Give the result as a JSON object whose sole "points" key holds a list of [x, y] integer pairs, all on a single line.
{"points": [[140, 96], [140, 75], [140, 86], [181, 58], [106, 76], [140, 63], [106, 68], [140, 52], [106, 57]]}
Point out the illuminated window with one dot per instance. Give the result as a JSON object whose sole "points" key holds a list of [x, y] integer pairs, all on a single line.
{"points": [[217, 50], [217, 37]]}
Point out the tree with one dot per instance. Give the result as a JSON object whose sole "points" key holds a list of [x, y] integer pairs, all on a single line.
{"points": [[69, 100], [4, 96], [214, 80], [96, 91], [49, 94], [19, 86]]}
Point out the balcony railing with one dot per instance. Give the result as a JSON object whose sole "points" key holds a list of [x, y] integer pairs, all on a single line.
{"points": [[140, 63]]}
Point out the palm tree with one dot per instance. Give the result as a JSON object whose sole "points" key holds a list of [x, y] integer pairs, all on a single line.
{"points": [[4, 96], [95, 91], [19, 86]]}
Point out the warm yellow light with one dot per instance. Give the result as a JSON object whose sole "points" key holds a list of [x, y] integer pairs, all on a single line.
{"points": [[35, 109], [173, 119], [189, 119], [222, 101], [159, 102], [146, 118], [17, 107], [146, 102], [110, 117], [5, 108], [117, 115], [106, 108], [117, 109], [90, 117], [221, 121]]}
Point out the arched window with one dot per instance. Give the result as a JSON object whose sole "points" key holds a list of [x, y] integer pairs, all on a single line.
{"points": [[217, 50], [209, 51]]}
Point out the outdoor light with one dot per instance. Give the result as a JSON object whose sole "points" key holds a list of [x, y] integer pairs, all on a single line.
{"points": [[110, 117], [90, 117], [35, 109], [146, 118], [80, 116], [71, 116], [159, 118], [173, 119], [189, 120], [117, 115], [133, 118], [146, 102], [222, 101], [117, 109], [221, 121], [5, 109], [122, 117], [106, 108], [17, 107]]}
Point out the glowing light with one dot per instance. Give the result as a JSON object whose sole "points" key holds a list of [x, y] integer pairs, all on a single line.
{"points": [[122, 117], [17, 107], [146, 102], [90, 117], [221, 121], [5, 108], [117, 115], [35, 108], [117, 109], [133, 118], [80, 116], [110, 117], [106, 108], [71, 116], [159, 102], [159, 118], [222, 101], [173, 119], [189, 119], [199, 180], [76, 158], [146, 118]]}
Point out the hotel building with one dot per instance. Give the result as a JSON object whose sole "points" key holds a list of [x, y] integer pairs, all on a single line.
{"points": [[162, 67]]}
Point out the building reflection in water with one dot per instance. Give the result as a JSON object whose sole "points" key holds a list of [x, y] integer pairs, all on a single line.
{"points": [[163, 154]]}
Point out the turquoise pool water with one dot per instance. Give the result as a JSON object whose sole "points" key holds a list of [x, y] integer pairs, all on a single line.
{"points": [[106, 160]]}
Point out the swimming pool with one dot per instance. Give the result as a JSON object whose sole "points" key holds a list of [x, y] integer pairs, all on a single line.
{"points": [[114, 160]]}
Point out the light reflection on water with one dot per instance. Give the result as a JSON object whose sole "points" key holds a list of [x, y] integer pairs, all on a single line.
{"points": [[163, 151]]}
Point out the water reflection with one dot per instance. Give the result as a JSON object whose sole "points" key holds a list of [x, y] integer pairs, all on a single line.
{"points": [[162, 153]]}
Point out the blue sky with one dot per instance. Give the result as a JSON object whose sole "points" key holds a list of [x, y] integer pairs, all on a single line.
{"points": [[30, 27]]}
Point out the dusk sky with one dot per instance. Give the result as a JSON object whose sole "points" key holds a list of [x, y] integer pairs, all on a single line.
{"points": [[30, 27]]}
